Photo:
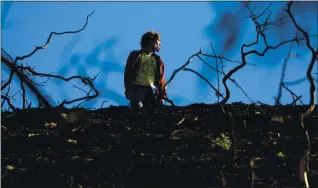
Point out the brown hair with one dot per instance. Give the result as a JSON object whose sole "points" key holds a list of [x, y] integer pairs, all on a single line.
{"points": [[148, 36]]}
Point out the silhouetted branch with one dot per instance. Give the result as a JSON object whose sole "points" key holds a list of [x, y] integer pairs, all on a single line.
{"points": [[5, 52], [213, 56], [207, 81], [292, 93], [49, 39], [7, 93], [23, 73], [217, 70], [8, 102], [26, 80], [305, 158], [245, 54], [80, 89], [283, 75], [182, 67], [276, 101], [103, 104], [23, 94], [9, 80], [225, 58], [86, 81], [312, 62], [295, 100]]}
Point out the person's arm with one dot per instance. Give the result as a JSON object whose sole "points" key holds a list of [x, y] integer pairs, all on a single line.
{"points": [[128, 70], [162, 81]]}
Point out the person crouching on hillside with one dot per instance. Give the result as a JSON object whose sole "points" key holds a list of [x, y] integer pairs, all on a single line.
{"points": [[144, 74]]}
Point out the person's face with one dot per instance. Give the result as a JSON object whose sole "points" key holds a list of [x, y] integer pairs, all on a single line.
{"points": [[156, 45]]}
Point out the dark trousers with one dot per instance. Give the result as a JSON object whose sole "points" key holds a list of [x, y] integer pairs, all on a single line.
{"points": [[143, 97]]}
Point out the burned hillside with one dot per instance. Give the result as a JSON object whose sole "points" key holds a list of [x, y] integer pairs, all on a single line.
{"points": [[191, 146]]}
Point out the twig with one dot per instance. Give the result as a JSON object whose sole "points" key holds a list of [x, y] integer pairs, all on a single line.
{"points": [[207, 81], [49, 39], [295, 100], [9, 80], [311, 65], [27, 81], [7, 93], [291, 92], [224, 58], [277, 102], [7, 54], [182, 67], [85, 80], [19, 71], [23, 93], [81, 89], [283, 75], [8, 102], [103, 104], [217, 72], [223, 73], [245, 54]]}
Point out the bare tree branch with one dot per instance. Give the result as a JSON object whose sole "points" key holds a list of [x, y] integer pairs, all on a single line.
{"points": [[26, 80], [8, 102], [49, 39], [223, 73], [225, 58], [7, 93], [182, 67], [207, 81], [81, 89], [23, 94], [103, 104], [245, 54], [5, 52], [312, 62], [283, 75], [9, 80], [292, 93], [23, 73], [295, 100], [217, 70], [305, 158]]}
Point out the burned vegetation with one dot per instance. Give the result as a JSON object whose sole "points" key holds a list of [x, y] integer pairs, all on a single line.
{"points": [[200, 145]]}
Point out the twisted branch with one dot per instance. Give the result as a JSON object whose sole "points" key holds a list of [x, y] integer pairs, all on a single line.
{"points": [[215, 69], [182, 67], [23, 71], [207, 81], [49, 39], [260, 32], [305, 158]]}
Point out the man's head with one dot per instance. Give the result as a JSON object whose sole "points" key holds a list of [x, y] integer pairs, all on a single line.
{"points": [[150, 41]]}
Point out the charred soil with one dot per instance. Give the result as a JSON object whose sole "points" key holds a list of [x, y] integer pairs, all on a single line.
{"points": [[188, 146]]}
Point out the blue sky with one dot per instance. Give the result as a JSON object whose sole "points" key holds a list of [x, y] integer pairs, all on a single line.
{"points": [[115, 29]]}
